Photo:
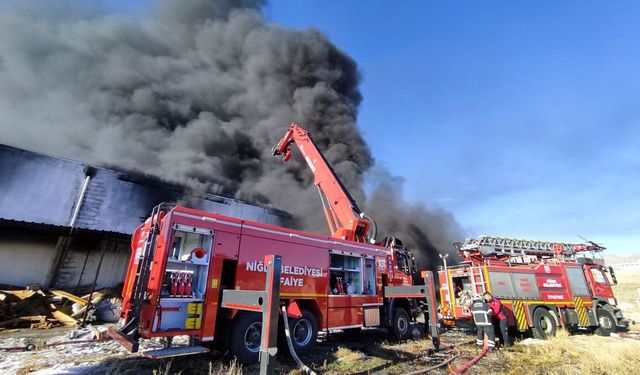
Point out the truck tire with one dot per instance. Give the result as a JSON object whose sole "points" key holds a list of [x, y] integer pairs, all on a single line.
{"points": [[244, 340], [304, 331], [400, 324], [544, 325], [606, 322]]}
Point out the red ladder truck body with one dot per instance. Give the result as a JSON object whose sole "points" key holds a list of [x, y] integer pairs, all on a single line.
{"points": [[543, 285], [182, 259]]}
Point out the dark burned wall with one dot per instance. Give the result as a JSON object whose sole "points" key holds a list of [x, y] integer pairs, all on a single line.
{"points": [[80, 264], [27, 255]]}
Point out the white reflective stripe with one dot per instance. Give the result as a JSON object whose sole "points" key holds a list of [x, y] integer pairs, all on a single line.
{"points": [[192, 229], [377, 251], [481, 314], [205, 218], [345, 327]]}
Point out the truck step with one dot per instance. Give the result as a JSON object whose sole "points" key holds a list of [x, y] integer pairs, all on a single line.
{"points": [[175, 352]]}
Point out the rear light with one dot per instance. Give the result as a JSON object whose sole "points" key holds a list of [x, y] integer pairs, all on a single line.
{"points": [[612, 301]]}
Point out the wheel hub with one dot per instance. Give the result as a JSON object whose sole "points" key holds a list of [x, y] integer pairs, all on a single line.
{"points": [[605, 322], [302, 332], [252, 337], [402, 324]]}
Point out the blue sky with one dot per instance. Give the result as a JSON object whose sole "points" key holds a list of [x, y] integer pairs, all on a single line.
{"points": [[521, 118]]}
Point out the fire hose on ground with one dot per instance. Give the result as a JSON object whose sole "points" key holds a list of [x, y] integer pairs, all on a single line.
{"points": [[473, 361], [287, 333], [456, 354], [441, 364]]}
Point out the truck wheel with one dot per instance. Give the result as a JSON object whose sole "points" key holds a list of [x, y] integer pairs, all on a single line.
{"points": [[544, 326], [304, 331], [244, 341], [401, 324], [606, 322]]}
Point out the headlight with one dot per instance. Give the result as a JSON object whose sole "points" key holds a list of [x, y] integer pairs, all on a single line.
{"points": [[612, 301]]}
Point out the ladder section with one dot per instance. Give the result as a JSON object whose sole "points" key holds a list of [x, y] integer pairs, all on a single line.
{"points": [[144, 265], [128, 335], [478, 283], [501, 246]]}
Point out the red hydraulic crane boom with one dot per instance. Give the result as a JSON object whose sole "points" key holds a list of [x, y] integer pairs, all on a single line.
{"points": [[343, 216]]}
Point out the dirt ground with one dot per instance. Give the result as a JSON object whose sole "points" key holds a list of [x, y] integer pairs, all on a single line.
{"points": [[353, 353], [362, 352]]}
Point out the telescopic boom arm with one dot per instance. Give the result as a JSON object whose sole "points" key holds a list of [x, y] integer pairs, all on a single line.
{"points": [[343, 216]]}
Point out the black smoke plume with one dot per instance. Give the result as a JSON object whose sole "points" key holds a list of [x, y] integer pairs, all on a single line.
{"points": [[195, 92]]}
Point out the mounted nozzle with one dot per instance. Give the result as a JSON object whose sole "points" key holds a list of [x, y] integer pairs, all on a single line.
{"points": [[282, 147], [373, 227]]}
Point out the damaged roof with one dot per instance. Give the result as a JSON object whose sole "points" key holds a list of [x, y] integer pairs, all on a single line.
{"points": [[36, 188]]}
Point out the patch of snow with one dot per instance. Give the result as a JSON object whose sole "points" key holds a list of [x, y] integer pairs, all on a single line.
{"points": [[531, 341]]}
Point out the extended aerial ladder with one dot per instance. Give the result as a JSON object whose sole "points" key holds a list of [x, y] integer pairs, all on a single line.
{"points": [[500, 247], [344, 218]]}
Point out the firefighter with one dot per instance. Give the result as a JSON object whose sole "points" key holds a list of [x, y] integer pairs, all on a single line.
{"points": [[482, 317], [500, 314]]}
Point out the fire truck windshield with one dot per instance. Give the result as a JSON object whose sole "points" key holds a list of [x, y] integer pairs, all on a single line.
{"points": [[599, 276]]}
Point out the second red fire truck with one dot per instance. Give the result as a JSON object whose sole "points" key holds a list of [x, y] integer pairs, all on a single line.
{"points": [[543, 285], [182, 259]]}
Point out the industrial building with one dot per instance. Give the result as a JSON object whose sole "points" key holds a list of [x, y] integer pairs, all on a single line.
{"points": [[66, 224]]}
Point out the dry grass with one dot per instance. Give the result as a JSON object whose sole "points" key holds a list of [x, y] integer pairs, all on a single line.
{"points": [[569, 355], [627, 294], [350, 361], [581, 354], [200, 365]]}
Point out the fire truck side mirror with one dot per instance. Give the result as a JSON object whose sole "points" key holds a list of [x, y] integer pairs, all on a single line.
{"points": [[613, 276]]}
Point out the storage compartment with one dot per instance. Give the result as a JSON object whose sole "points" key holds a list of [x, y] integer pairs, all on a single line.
{"points": [[185, 280], [369, 276], [345, 273]]}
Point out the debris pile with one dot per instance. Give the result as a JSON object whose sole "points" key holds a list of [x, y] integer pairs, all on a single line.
{"points": [[36, 309]]}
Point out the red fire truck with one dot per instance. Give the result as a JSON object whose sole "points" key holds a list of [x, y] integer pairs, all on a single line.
{"points": [[183, 258], [543, 285]]}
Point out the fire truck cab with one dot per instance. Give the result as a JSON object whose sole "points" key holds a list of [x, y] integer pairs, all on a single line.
{"points": [[543, 285]]}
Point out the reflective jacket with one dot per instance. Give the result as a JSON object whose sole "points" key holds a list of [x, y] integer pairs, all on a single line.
{"points": [[498, 309], [481, 313]]}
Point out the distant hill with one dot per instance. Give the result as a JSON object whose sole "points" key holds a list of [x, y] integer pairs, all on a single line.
{"points": [[622, 258]]}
